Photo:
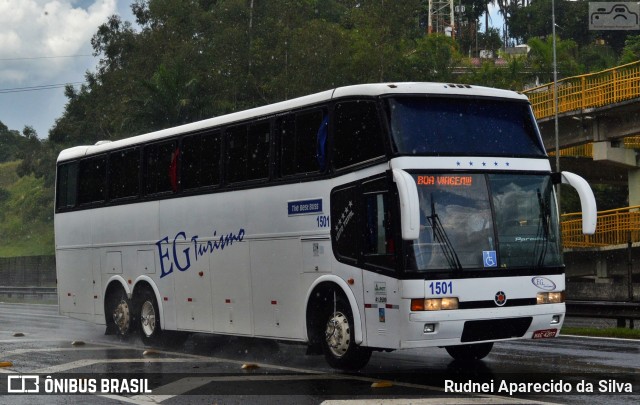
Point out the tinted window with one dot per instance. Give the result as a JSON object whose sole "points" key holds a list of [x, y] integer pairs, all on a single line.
{"points": [[248, 152], [124, 173], [92, 176], [200, 160], [258, 158], [358, 134], [302, 141], [344, 223], [237, 154], [67, 185], [161, 167], [435, 126], [379, 244]]}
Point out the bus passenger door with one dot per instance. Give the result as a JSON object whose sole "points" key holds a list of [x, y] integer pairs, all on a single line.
{"points": [[364, 231], [381, 294]]}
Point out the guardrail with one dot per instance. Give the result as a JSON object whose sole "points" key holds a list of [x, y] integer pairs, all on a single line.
{"points": [[592, 90], [615, 227], [621, 311], [20, 292]]}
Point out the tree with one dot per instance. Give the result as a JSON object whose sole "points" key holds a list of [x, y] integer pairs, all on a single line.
{"points": [[381, 34], [432, 59], [490, 40], [541, 58], [596, 57], [510, 77], [12, 144], [572, 21], [631, 51]]}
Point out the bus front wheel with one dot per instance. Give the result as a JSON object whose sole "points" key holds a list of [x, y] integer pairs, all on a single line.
{"points": [[149, 316], [338, 343], [470, 352]]}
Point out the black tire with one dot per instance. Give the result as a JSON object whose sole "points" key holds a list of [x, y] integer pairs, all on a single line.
{"points": [[337, 338], [149, 318], [469, 353], [119, 313]]}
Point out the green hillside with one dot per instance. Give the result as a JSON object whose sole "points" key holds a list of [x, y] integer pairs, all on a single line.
{"points": [[25, 228]]}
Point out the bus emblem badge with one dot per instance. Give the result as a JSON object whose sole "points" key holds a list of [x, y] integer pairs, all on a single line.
{"points": [[500, 298]]}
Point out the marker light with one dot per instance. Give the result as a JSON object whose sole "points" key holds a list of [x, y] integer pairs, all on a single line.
{"points": [[434, 304], [550, 297]]}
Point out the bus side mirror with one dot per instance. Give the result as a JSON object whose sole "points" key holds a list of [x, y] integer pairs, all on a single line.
{"points": [[409, 204], [587, 201]]}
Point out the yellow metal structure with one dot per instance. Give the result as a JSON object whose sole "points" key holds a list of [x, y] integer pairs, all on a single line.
{"points": [[587, 91], [615, 227], [580, 93]]}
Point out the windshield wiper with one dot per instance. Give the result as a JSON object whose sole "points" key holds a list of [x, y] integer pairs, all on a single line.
{"points": [[440, 236], [542, 235]]}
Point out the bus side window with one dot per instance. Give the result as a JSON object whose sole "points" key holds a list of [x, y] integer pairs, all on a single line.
{"points": [[124, 173], [200, 160], [299, 142], [92, 177], [358, 134], [236, 154], [379, 244], [67, 185], [259, 143], [160, 167], [345, 231], [248, 152]]}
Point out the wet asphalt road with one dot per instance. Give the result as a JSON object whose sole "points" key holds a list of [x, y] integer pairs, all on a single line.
{"points": [[209, 369]]}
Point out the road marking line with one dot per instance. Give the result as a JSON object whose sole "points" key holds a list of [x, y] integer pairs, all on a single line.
{"points": [[187, 384]]}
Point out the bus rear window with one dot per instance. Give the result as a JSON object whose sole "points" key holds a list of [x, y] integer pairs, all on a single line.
{"points": [[67, 185], [461, 126]]}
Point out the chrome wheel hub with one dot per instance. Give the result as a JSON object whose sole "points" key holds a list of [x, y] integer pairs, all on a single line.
{"points": [[122, 316], [148, 318], [338, 334]]}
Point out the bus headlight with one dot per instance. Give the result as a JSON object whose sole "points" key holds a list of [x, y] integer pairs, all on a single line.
{"points": [[550, 297], [434, 304]]}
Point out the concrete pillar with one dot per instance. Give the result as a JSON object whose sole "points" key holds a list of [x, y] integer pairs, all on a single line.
{"points": [[615, 154], [634, 187], [602, 274]]}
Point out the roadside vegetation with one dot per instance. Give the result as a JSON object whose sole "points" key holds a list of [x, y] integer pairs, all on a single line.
{"points": [[622, 333], [26, 214], [185, 61]]}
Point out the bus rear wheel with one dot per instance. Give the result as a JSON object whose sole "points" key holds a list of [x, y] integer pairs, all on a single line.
{"points": [[468, 353], [149, 316], [338, 343], [119, 313]]}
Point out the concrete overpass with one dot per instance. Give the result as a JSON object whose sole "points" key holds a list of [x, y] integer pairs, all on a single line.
{"points": [[599, 125], [599, 138]]}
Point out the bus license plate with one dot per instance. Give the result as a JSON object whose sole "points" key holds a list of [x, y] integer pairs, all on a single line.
{"points": [[545, 333]]}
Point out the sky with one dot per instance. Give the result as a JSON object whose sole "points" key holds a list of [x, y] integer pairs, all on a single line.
{"points": [[45, 44]]}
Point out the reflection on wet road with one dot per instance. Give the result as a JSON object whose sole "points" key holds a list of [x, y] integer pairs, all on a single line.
{"points": [[219, 369]]}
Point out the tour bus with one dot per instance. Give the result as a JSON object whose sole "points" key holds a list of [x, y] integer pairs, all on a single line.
{"points": [[365, 218]]}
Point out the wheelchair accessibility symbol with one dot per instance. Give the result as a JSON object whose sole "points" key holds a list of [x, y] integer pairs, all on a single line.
{"points": [[490, 259]]}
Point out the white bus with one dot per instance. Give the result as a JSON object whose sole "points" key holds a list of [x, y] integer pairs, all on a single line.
{"points": [[364, 218]]}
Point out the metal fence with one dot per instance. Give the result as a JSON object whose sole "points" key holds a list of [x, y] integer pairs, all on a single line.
{"points": [[615, 227], [592, 90]]}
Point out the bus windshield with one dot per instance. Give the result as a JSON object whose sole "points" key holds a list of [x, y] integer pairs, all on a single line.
{"points": [[485, 222], [463, 126]]}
